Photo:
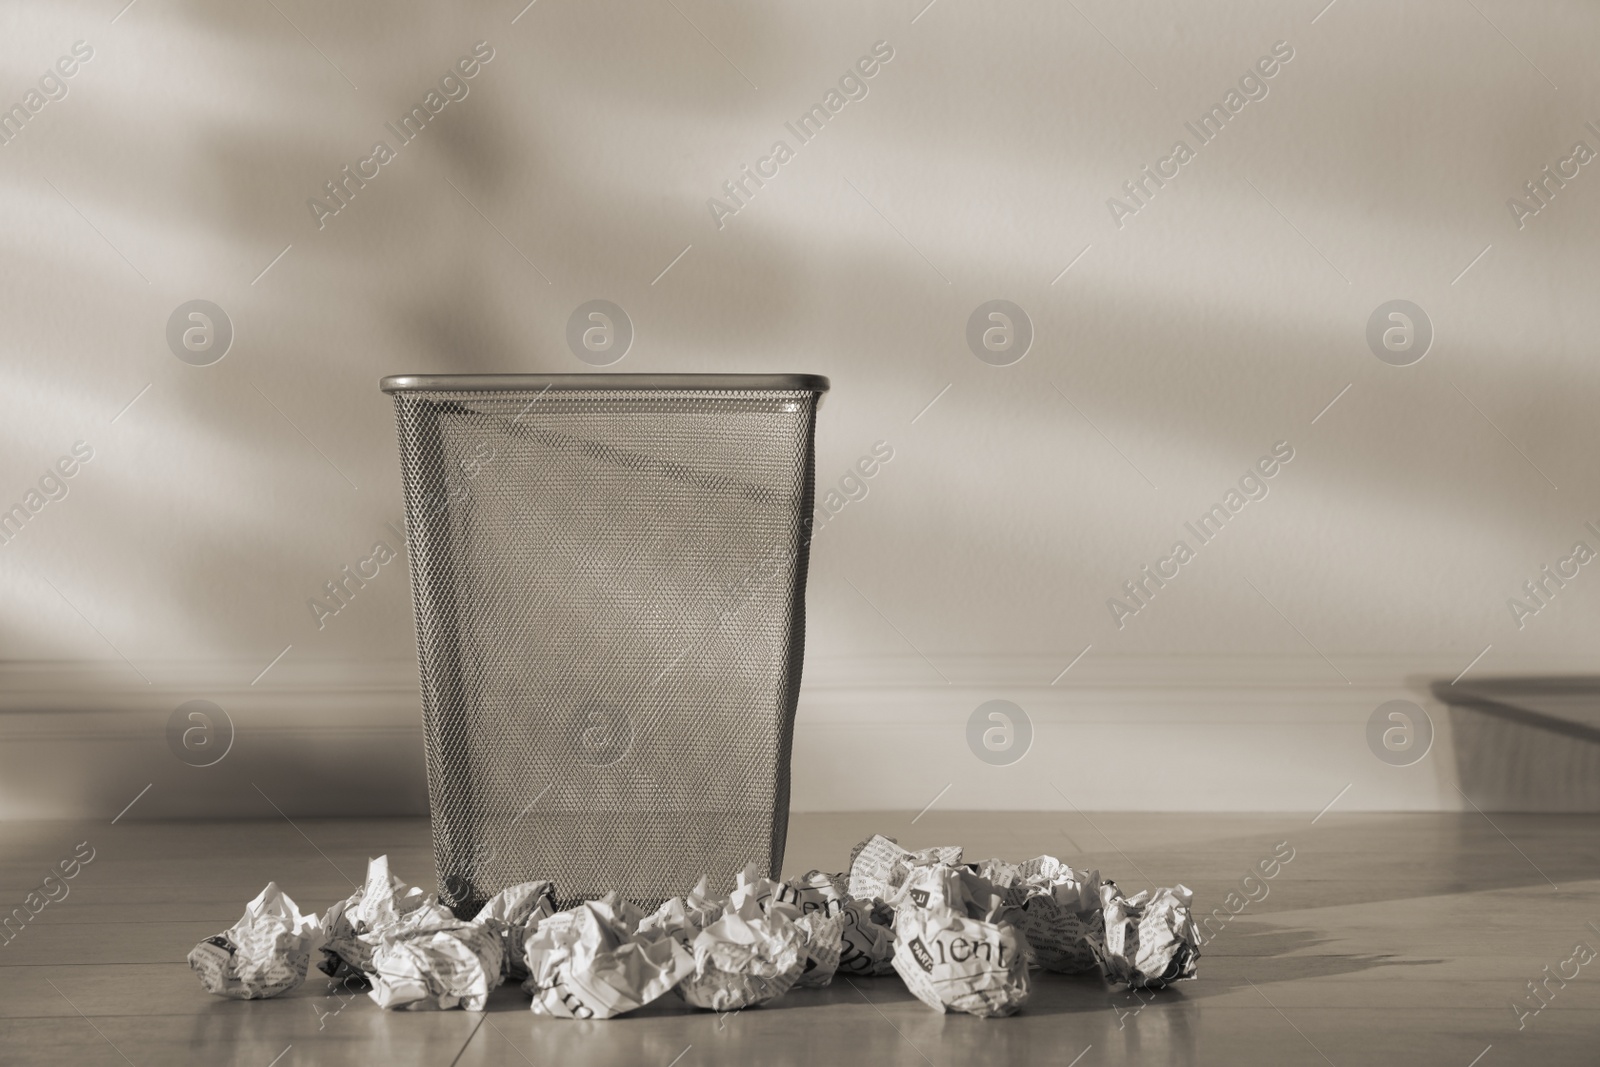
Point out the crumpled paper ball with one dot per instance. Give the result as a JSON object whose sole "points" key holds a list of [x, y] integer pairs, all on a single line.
{"points": [[384, 905], [951, 948], [816, 891], [959, 888], [1056, 909], [264, 954], [821, 931], [867, 938], [454, 965], [879, 866], [824, 946], [747, 957], [1149, 940], [510, 914], [590, 963], [683, 918]]}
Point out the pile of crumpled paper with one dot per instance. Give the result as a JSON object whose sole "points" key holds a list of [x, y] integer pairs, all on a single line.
{"points": [[962, 936]]}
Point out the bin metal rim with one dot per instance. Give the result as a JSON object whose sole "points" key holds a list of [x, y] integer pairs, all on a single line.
{"points": [[494, 383]]}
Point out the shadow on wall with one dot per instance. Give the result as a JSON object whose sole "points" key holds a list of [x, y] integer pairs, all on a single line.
{"points": [[414, 279]]}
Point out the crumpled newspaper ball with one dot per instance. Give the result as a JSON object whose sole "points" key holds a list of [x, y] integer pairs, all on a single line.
{"points": [[1148, 940], [453, 965], [822, 899], [960, 889], [815, 891], [954, 963], [262, 955], [745, 958], [878, 866], [1003, 873], [683, 918], [510, 914], [1056, 909], [866, 938], [823, 932], [589, 962], [384, 905], [824, 946]]}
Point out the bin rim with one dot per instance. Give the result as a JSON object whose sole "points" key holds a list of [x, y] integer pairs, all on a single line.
{"points": [[495, 383]]}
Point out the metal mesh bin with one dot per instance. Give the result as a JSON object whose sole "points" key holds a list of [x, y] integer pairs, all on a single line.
{"points": [[608, 572]]}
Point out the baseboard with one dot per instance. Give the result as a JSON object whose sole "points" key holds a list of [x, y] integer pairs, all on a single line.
{"points": [[319, 738]]}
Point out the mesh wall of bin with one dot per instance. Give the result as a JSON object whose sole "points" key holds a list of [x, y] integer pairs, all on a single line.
{"points": [[608, 573]]}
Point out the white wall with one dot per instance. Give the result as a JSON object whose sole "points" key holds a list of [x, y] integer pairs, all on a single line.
{"points": [[1218, 320]]}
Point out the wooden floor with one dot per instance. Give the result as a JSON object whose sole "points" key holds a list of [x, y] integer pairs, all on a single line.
{"points": [[1387, 939]]}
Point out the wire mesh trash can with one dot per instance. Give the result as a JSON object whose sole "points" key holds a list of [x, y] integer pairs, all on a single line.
{"points": [[608, 573]]}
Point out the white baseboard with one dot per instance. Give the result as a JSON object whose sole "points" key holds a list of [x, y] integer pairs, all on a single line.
{"points": [[80, 740]]}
